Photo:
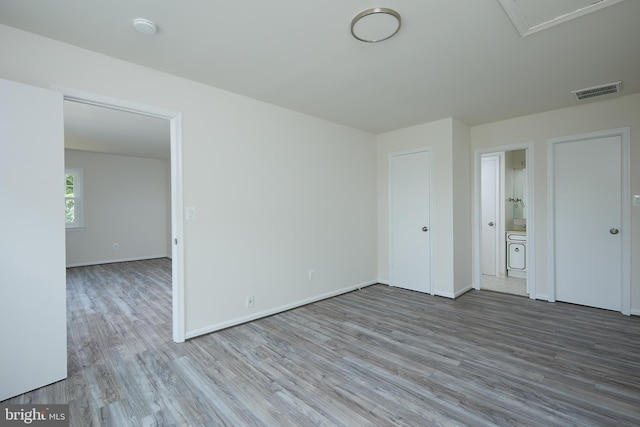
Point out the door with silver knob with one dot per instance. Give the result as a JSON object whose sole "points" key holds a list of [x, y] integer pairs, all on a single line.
{"points": [[409, 208], [491, 240], [587, 207]]}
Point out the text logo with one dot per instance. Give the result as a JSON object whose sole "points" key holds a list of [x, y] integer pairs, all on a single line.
{"points": [[34, 415]]}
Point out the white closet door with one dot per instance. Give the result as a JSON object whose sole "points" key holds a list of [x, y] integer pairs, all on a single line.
{"points": [[410, 200], [587, 192], [32, 258]]}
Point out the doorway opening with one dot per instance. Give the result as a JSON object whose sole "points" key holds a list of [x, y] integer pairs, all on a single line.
{"points": [[503, 220], [176, 199]]}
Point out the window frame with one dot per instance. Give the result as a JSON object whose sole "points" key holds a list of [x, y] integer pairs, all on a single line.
{"points": [[77, 198]]}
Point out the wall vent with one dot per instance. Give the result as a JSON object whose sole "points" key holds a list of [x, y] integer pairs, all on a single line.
{"points": [[594, 91]]}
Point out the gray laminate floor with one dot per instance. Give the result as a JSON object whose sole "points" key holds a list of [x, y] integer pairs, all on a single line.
{"points": [[380, 356]]}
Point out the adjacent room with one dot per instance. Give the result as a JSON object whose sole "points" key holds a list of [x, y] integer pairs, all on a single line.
{"points": [[121, 162], [415, 213]]}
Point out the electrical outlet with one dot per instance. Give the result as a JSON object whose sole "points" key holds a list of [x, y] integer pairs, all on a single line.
{"points": [[116, 246], [250, 301]]}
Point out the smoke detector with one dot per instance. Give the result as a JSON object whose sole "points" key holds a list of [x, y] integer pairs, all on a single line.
{"points": [[144, 26], [592, 92]]}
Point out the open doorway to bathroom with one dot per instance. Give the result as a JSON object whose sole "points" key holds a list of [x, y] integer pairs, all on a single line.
{"points": [[504, 204]]}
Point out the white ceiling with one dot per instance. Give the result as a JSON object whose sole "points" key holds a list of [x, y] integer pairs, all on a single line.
{"points": [[461, 58], [102, 130]]}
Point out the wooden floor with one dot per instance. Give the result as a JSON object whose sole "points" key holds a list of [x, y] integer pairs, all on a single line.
{"points": [[380, 356]]}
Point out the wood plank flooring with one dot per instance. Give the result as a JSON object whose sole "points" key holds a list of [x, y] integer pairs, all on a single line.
{"points": [[380, 356]]}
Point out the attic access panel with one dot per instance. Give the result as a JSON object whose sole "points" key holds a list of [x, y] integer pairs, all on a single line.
{"points": [[531, 16]]}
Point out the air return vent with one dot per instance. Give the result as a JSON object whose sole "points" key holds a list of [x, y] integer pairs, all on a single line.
{"points": [[592, 92]]}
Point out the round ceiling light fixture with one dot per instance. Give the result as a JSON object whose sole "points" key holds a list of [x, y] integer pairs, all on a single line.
{"points": [[375, 24], [144, 26]]}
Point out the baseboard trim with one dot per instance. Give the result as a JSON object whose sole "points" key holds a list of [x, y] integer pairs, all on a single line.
{"points": [[444, 294], [453, 295], [463, 291], [270, 312], [112, 261]]}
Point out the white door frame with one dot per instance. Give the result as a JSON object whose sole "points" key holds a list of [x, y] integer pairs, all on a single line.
{"points": [[177, 238], [625, 135], [477, 213], [390, 219]]}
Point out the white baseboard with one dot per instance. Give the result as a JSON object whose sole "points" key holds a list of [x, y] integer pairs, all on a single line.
{"points": [[111, 261], [541, 297], [444, 294], [269, 312], [463, 291], [440, 293], [453, 295]]}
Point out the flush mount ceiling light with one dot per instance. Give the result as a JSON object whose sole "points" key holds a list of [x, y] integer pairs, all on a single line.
{"points": [[375, 25], [144, 26]]}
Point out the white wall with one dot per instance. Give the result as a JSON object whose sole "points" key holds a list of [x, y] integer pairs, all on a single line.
{"points": [[462, 206], [450, 194], [450, 226], [589, 117], [32, 275], [277, 192], [125, 202]]}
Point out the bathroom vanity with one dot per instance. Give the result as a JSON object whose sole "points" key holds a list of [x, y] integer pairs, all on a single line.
{"points": [[517, 254]]}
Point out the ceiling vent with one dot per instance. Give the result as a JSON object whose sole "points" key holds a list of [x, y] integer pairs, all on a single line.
{"points": [[592, 92]]}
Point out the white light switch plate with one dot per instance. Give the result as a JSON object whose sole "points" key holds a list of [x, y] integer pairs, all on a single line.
{"points": [[636, 200], [191, 213]]}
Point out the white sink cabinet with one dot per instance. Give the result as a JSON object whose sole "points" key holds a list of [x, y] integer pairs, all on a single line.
{"points": [[517, 254]]}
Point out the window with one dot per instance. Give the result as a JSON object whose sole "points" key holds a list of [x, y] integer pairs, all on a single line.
{"points": [[73, 198]]}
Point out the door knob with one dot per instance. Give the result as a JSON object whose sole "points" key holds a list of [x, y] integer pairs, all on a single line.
{"points": [[491, 224], [425, 228], [614, 231]]}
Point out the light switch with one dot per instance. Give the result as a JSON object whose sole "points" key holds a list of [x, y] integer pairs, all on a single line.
{"points": [[636, 200], [191, 213]]}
